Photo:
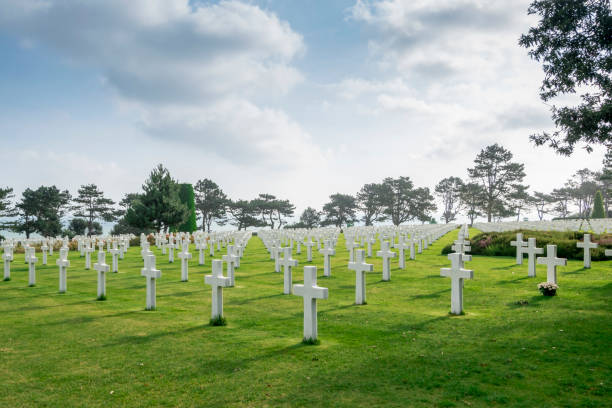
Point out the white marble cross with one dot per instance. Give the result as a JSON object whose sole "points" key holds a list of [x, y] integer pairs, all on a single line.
{"points": [[276, 254], [31, 260], [7, 256], [532, 251], [230, 259], [371, 240], [171, 251], [461, 246], [185, 256], [587, 245], [519, 244], [327, 252], [115, 253], [102, 269], [44, 248], [288, 262], [457, 274], [350, 246], [63, 263], [152, 274], [88, 249], [360, 268], [218, 282], [211, 247], [412, 244], [386, 256], [310, 292], [309, 244], [402, 245], [200, 247], [551, 261]]}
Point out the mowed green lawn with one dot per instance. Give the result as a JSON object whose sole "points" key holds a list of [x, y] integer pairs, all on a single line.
{"points": [[402, 349]]}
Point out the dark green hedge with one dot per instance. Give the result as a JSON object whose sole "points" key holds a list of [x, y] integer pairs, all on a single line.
{"points": [[498, 243], [187, 196]]}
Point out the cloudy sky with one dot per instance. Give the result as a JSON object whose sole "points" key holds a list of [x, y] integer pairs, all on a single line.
{"points": [[300, 99]]}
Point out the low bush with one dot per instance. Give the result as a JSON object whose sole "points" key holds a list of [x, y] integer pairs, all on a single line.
{"points": [[498, 243]]}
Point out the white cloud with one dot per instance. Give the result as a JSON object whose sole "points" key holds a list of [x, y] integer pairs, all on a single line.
{"points": [[207, 74]]}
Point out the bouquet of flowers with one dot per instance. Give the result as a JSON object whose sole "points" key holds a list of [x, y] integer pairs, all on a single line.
{"points": [[548, 288]]}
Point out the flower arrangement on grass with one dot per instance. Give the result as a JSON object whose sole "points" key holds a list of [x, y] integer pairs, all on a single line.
{"points": [[548, 288]]}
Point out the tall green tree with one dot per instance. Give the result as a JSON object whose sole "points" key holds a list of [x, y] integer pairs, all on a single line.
{"points": [[541, 202], [582, 187], [158, 207], [54, 203], [370, 202], [6, 199], [561, 199], [265, 205], [518, 200], [310, 218], [243, 214], [210, 202], [573, 40], [91, 205], [402, 202], [498, 175], [41, 211], [598, 207], [282, 210], [340, 210], [473, 197], [187, 197], [449, 191]]}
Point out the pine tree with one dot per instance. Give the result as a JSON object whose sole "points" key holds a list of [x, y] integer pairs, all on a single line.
{"points": [[598, 207]]}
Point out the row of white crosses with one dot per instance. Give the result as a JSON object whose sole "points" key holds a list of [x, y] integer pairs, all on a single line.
{"points": [[598, 226], [457, 273], [551, 259]]}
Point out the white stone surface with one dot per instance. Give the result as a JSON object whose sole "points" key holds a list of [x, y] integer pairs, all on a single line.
{"points": [[360, 267], [310, 292], [218, 282], [327, 252], [386, 256], [102, 269], [587, 245], [31, 260], [63, 263], [531, 250], [185, 256], [519, 244], [457, 274], [151, 273], [288, 262], [551, 261], [231, 262]]}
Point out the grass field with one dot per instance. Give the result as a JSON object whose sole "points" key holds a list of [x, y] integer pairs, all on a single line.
{"points": [[402, 349]]}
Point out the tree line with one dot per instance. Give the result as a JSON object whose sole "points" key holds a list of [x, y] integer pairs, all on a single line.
{"points": [[494, 189]]}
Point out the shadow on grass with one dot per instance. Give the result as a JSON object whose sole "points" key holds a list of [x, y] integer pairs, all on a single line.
{"points": [[128, 340], [504, 268], [249, 300], [576, 272], [30, 308], [516, 280], [87, 319], [181, 294], [432, 295]]}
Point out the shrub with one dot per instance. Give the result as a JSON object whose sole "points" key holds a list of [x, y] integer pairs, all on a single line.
{"points": [[498, 243]]}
